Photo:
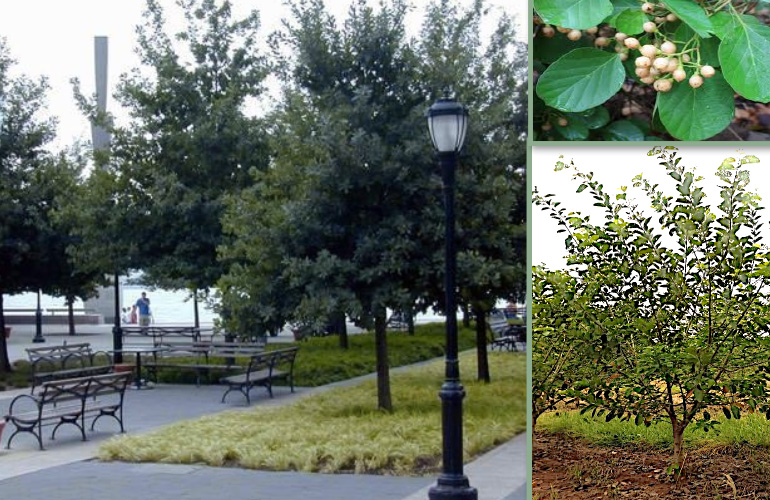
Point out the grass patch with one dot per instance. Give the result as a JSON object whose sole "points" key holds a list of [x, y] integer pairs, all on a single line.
{"points": [[749, 429], [321, 361], [342, 431]]}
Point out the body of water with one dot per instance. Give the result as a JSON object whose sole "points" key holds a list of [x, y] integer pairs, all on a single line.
{"points": [[167, 306]]}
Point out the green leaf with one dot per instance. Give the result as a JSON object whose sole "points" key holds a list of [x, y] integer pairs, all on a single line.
{"points": [[622, 130], [749, 159], [576, 14], [574, 131], [581, 79], [725, 23], [698, 394], [593, 118], [743, 54], [619, 6], [692, 14], [581, 188], [631, 22], [548, 50], [695, 114]]}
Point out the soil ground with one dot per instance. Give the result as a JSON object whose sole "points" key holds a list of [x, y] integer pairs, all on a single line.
{"points": [[570, 468]]}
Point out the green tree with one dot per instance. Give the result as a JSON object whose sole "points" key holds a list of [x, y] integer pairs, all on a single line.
{"points": [[24, 133], [674, 312], [489, 77], [189, 141], [350, 218]]}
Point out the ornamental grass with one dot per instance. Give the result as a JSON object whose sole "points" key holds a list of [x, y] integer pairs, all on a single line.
{"points": [[342, 431]]}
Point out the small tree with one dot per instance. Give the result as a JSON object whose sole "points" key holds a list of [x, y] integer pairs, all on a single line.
{"points": [[674, 314]]}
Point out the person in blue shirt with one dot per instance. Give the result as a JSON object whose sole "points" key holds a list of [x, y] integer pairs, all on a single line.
{"points": [[143, 304]]}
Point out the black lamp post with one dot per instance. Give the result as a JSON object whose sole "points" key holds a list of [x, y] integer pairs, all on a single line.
{"points": [[117, 331], [38, 338], [448, 121]]}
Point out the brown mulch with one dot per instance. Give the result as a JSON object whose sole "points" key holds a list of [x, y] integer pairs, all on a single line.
{"points": [[570, 468]]}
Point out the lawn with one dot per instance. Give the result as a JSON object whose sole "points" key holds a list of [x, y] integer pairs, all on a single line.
{"points": [[752, 429], [342, 431]]}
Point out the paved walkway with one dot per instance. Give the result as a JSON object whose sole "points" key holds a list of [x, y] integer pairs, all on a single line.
{"points": [[67, 470]]}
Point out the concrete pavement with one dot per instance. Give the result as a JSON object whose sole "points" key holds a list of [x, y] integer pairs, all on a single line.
{"points": [[67, 470]]}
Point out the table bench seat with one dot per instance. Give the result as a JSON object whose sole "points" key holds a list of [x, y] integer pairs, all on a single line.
{"points": [[205, 356]]}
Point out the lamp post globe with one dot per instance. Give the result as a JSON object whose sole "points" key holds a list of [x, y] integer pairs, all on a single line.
{"points": [[448, 123]]}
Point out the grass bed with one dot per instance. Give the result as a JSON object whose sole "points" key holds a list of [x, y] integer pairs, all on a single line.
{"points": [[749, 429], [342, 431]]}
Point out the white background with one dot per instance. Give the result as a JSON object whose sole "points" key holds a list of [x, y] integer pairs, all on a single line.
{"points": [[616, 166]]}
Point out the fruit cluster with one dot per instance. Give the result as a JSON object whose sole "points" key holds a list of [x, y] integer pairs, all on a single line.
{"points": [[660, 62]]}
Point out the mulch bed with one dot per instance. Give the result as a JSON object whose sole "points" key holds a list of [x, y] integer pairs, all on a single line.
{"points": [[566, 468]]}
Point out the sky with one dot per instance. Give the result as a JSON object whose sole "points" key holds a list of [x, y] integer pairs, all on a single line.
{"points": [[616, 166], [54, 38]]}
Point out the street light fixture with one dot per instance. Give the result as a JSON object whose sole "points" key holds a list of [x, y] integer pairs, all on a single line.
{"points": [[448, 122]]}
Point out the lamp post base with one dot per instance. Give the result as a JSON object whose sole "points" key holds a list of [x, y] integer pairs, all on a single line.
{"points": [[453, 489]]}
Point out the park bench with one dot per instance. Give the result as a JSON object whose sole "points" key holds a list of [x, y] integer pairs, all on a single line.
{"points": [[202, 356], [66, 361], [69, 401], [264, 369], [506, 336]]}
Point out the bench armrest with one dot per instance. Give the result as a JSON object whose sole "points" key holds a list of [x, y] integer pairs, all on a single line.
{"points": [[22, 397]]}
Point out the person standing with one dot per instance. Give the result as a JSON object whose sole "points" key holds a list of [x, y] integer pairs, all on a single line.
{"points": [[143, 305]]}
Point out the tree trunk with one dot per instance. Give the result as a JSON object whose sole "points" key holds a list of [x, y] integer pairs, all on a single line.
{"points": [[341, 328], [678, 430], [195, 308], [383, 370], [71, 314], [5, 363], [410, 321], [466, 315], [481, 344]]}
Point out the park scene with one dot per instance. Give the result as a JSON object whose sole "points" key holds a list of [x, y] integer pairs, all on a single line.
{"points": [[650, 337], [339, 199]]}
